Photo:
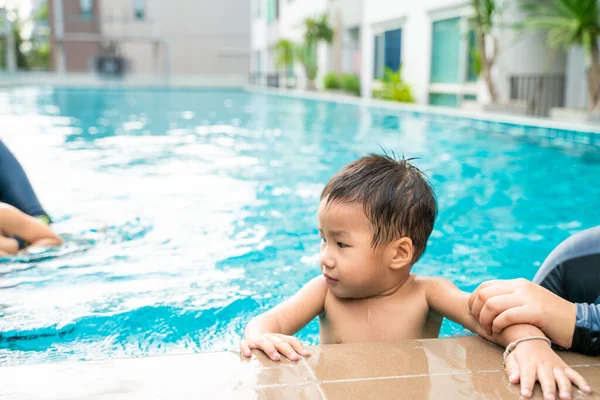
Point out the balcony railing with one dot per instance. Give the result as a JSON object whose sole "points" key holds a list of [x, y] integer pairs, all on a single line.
{"points": [[274, 79], [541, 92]]}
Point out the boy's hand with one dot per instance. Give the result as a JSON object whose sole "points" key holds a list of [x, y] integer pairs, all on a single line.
{"points": [[533, 361], [498, 304], [272, 344]]}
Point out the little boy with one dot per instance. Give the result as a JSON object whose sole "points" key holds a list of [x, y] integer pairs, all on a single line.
{"points": [[17, 227], [375, 218]]}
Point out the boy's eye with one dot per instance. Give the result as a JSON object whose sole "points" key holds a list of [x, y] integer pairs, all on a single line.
{"points": [[323, 239], [341, 245]]}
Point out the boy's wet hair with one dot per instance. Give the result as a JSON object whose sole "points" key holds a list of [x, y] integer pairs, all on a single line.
{"points": [[397, 198]]}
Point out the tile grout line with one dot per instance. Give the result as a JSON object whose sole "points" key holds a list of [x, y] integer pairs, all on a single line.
{"points": [[312, 373], [470, 372], [377, 378]]}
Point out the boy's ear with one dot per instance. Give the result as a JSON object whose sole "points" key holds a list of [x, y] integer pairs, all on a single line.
{"points": [[402, 252]]}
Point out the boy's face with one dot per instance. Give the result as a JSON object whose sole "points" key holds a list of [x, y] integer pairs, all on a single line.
{"points": [[352, 267]]}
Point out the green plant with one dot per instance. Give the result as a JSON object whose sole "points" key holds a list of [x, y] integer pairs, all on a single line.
{"points": [[476, 63], [394, 88], [317, 29], [17, 26], [39, 55], [285, 53], [332, 81], [351, 84], [3, 40], [307, 57], [570, 23]]}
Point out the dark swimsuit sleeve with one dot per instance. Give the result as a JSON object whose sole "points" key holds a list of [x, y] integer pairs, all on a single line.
{"points": [[572, 271], [586, 337]]}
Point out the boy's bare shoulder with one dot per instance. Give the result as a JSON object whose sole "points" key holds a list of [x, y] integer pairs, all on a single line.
{"points": [[429, 282]]}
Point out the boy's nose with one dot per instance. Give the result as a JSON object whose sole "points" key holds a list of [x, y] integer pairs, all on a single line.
{"points": [[326, 260]]}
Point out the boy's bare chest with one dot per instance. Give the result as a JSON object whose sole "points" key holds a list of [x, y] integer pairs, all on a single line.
{"points": [[371, 320]]}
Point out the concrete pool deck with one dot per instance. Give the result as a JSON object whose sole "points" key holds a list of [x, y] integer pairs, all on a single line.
{"points": [[453, 368]]}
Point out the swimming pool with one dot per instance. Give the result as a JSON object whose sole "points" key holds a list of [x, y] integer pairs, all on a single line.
{"points": [[187, 212]]}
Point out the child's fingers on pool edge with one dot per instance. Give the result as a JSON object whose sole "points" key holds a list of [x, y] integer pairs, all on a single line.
{"points": [[287, 350], [563, 382], [268, 348], [245, 348], [547, 382], [528, 378], [298, 346], [578, 380]]}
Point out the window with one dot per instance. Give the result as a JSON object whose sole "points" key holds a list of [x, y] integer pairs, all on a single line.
{"points": [[454, 61], [87, 9], [443, 99], [272, 10], [474, 63], [139, 9], [445, 51], [388, 46]]}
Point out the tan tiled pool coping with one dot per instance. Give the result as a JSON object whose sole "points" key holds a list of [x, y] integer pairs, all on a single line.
{"points": [[455, 368]]}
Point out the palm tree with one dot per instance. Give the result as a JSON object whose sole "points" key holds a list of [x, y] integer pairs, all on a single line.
{"points": [[285, 53], [307, 57], [317, 30], [570, 23], [485, 12]]}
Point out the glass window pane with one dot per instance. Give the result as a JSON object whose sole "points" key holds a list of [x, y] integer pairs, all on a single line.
{"points": [[270, 11], [393, 44], [445, 51], [473, 63], [443, 99], [139, 9], [86, 8]]}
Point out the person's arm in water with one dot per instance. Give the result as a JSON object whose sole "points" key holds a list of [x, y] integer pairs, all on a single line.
{"points": [[530, 361], [8, 245], [271, 332], [499, 304], [14, 222]]}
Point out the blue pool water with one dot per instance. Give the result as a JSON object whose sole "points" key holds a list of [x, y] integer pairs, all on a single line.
{"points": [[188, 212]]}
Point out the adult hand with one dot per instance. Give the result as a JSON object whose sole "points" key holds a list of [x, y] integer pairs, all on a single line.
{"points": [[498, 304]]}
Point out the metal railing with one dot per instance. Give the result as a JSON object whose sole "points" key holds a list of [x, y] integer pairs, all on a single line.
{"points": [[541, 92], [274, 79]]}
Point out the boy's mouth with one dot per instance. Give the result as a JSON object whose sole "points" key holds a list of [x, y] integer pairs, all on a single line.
{"points": [[329, 279]]}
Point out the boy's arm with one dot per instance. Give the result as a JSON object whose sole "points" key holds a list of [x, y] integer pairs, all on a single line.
{"points": [[271, 331], [531, 360], [14, 222]]}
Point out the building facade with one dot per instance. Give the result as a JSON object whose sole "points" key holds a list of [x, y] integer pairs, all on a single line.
{"points": [[432, 40], [185, 37]]}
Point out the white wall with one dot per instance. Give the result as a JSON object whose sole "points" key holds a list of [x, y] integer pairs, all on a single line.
{"points": [[201, 36], [258, 35], [576, 92], [351, 12]]}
